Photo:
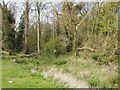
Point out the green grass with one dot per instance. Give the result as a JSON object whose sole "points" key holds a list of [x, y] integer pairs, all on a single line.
{"points": [[93, 73], [22, 77]]}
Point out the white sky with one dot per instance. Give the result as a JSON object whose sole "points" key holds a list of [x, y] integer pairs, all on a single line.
{"points": [[66, 0]]}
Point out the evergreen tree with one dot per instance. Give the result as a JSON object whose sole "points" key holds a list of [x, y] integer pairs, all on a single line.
{"points": [[20, 35], [8, 25]]}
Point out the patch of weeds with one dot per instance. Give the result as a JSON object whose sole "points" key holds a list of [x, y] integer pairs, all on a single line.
{"points": [[6, 57], [34, 74], [21, 76], [114, 80], [36, 62], [98, 57], [94, 81], [66, 70], [56, 82], [60, 62], [3, 58], [95, 56], [44, 58], [105, 84], [23, 61], [103, 80]]}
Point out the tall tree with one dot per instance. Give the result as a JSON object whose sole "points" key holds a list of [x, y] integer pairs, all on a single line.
{"points": [[8, 22], [70, 21], [38, 5], [20, 34], [56, 15], [26, 48]]}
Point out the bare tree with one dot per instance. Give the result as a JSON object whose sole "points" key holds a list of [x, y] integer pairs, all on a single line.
{"points": [[26, 48], [39, 7], [38, 27], [56, 15]]}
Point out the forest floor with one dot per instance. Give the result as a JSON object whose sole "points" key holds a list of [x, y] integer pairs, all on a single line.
{"points": [[50, 72]]}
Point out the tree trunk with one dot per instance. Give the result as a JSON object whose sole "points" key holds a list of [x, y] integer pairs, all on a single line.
{"points": [[26, 48], [74, 40], [38, 28]]}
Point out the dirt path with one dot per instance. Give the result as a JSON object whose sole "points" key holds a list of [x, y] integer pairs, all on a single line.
{"points": [[67, 78]]}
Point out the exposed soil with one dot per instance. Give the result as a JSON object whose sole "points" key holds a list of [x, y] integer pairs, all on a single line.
{"points": [[67, 78]]}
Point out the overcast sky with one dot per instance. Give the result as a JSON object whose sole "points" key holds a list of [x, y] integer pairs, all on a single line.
{"points": [[67, 0]]}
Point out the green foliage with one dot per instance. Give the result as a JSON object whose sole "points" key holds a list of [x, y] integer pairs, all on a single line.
{"points": [[52, 79], [106, 17], [23, 61], [8, 23], [60, 62], [20, 35], [94, 81], [95, 56], [54, 47], [114, 79], [47, 32], [59, 49], [32, 40], [101, 32], [98, 57], [50, 46]]}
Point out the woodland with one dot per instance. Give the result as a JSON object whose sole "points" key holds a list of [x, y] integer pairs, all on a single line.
{"points": [[59, 44]]}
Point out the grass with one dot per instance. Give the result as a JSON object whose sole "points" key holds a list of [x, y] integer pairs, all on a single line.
{"points": [[95, 74], [21, 76], [89, 70]]}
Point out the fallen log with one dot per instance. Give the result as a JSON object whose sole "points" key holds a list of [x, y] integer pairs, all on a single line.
{"points": [[86, 48]]}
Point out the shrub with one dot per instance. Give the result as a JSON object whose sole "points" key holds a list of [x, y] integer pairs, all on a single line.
{"points": [[54, 47]]}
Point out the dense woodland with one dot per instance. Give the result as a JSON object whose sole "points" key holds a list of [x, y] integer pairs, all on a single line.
{"points": [[80, 29]]}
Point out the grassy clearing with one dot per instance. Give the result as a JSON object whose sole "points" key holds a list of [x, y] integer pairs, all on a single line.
{"points": [[21, 76], [95, 74]]}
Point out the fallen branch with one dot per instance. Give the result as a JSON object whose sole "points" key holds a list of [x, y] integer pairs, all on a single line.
{"points": [[86, 48], [83, 19]]}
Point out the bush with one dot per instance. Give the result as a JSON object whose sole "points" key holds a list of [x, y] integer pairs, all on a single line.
{"points": [[54, 47]]}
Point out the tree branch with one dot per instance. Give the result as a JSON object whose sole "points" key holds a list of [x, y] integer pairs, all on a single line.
{"points": [[82, 20]]}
